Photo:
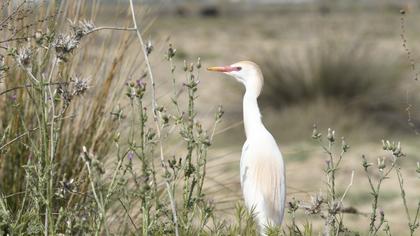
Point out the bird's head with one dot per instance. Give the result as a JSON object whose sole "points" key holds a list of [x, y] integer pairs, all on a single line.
{"points": [[246, 72]]}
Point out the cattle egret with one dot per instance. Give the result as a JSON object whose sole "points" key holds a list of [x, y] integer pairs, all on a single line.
{"points": [[262, 168]]}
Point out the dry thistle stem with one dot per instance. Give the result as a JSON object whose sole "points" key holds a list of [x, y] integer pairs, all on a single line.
{"points": [[82, 28]]}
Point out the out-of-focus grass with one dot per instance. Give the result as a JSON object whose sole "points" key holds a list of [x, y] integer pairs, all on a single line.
{"points": [[348, 72], [295, 43]]}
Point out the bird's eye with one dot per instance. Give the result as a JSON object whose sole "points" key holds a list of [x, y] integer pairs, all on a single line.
{"points": [[238, 68]]}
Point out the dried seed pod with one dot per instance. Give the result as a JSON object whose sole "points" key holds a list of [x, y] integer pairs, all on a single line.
{"points": [[23, 56], [331, 135], [315, 133], [344, 146], [198, 65], [171, 52], [185, 66], [381, 164]]}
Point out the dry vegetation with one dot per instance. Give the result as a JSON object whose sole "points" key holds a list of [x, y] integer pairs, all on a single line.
{"points": [[105, 129]]}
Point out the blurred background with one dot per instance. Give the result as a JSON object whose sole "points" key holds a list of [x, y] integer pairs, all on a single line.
{"points": [[338, 64], [341, 63]]}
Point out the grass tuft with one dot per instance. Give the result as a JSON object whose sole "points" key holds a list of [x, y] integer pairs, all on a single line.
{"points": [[353, 73]]}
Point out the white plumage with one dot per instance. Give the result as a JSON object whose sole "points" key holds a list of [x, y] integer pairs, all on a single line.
{"points": [[262, 167]]}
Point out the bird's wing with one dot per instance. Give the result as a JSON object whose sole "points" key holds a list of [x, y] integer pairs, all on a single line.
{"points": [[262, 178], [268, 177]]}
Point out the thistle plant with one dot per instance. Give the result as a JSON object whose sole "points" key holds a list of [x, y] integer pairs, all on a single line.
{"points": [[334, 217], [394, 148], [57, 199], [330, 207]]}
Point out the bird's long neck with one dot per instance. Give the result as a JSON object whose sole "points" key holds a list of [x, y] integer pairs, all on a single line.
{"points": [[252, 115]]}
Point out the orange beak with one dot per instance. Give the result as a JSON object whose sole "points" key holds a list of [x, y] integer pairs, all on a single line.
{"points": [[223, 68]]}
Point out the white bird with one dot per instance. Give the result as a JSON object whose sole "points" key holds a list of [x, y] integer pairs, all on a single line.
{"points": [[262, 168]]}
